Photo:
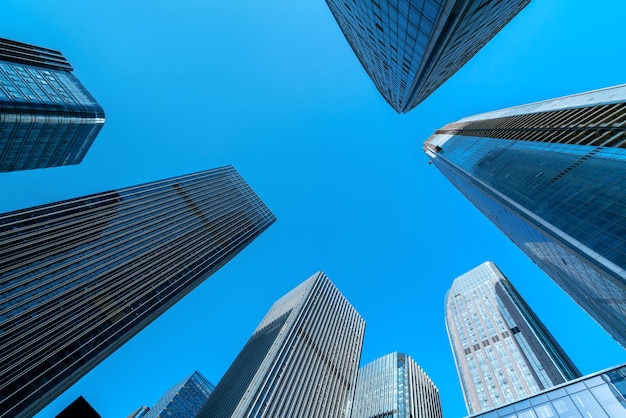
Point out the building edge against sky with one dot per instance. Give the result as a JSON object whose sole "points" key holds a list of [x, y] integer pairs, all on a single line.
{"points": [[395, 386], [301, 361], [501, 349], [83, 276], [183, 400], [600, 394], [411, 47], [47, 117], [552, 176]]}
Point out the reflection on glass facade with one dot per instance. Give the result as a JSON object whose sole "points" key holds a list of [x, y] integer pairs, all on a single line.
{"points": [[501, 349], [552, 176], [80, 277], [301, 361], [395, 386], [411, 47], [47, 117], [599, 395], [183, 400]]}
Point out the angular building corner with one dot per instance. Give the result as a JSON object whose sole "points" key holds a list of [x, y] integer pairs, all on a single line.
{"points": [[80, 277], [411, 47], [501, 349], [301, 361], [47, 117], [552, 176], [395, 386]]}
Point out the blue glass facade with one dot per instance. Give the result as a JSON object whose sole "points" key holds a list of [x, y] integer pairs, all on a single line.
{"points": [[47, 117], [501, 349], [395, 386], [559, 194], [183, 400], [80, 277], [411, 47], [599, 395]]}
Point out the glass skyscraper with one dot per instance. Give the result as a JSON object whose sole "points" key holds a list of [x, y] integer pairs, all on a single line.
{"points": [[47, 117], [501, 349], [301, 361], [183, 400], [395, 386], [411, 47], [601, 394], [552, 176], [80, 277]]}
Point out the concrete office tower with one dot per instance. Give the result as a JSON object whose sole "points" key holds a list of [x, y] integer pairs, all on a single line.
{"points": [[80, 277], [301, 361], [395, 386], [599, 394], [47, 117], [501, 349], [183, 400], [552, 176], [411, 47]]}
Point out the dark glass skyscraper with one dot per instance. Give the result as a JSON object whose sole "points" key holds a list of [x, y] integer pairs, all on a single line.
{"points": [[395, 386], [501, 349], [183, 400], [80, 277], [411, 47], [47, 117], [301, 361], [552, 176]]}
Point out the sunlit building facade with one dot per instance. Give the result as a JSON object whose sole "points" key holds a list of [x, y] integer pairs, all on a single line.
{"points": [[601, 394], [411, 47], [395, 386], [552, 176], [301, 361], [47, 117], [502, 351], [183, 400], [80, 277]]}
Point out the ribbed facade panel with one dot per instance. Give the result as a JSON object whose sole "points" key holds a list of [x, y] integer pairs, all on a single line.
{"points": [[411, 47], [502, 351], [301, 361], [183, 400], [82, 276], [395, 386], [47, 117], [552, 176]]}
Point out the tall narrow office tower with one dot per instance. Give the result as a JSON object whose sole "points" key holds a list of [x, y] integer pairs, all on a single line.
{"points": [[395, 386], [501, 349], [80, 277], [411, 47], [552, 176], [183, 400], [47, 117], [301, 361]]}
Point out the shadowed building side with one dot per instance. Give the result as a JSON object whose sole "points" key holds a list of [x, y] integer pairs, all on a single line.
{"points": [[301, 361], [80, 277]]}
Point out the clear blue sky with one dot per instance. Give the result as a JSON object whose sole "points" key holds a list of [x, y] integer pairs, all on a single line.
{"points": [[273, 88]]}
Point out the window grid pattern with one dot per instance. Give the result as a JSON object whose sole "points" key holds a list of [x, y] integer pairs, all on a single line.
{"points": [[80, 277], [47, 117], [411, 47], [395, 386], [598, 126], [600, 395], [183, 400], [310, 367], [501, 349]]}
